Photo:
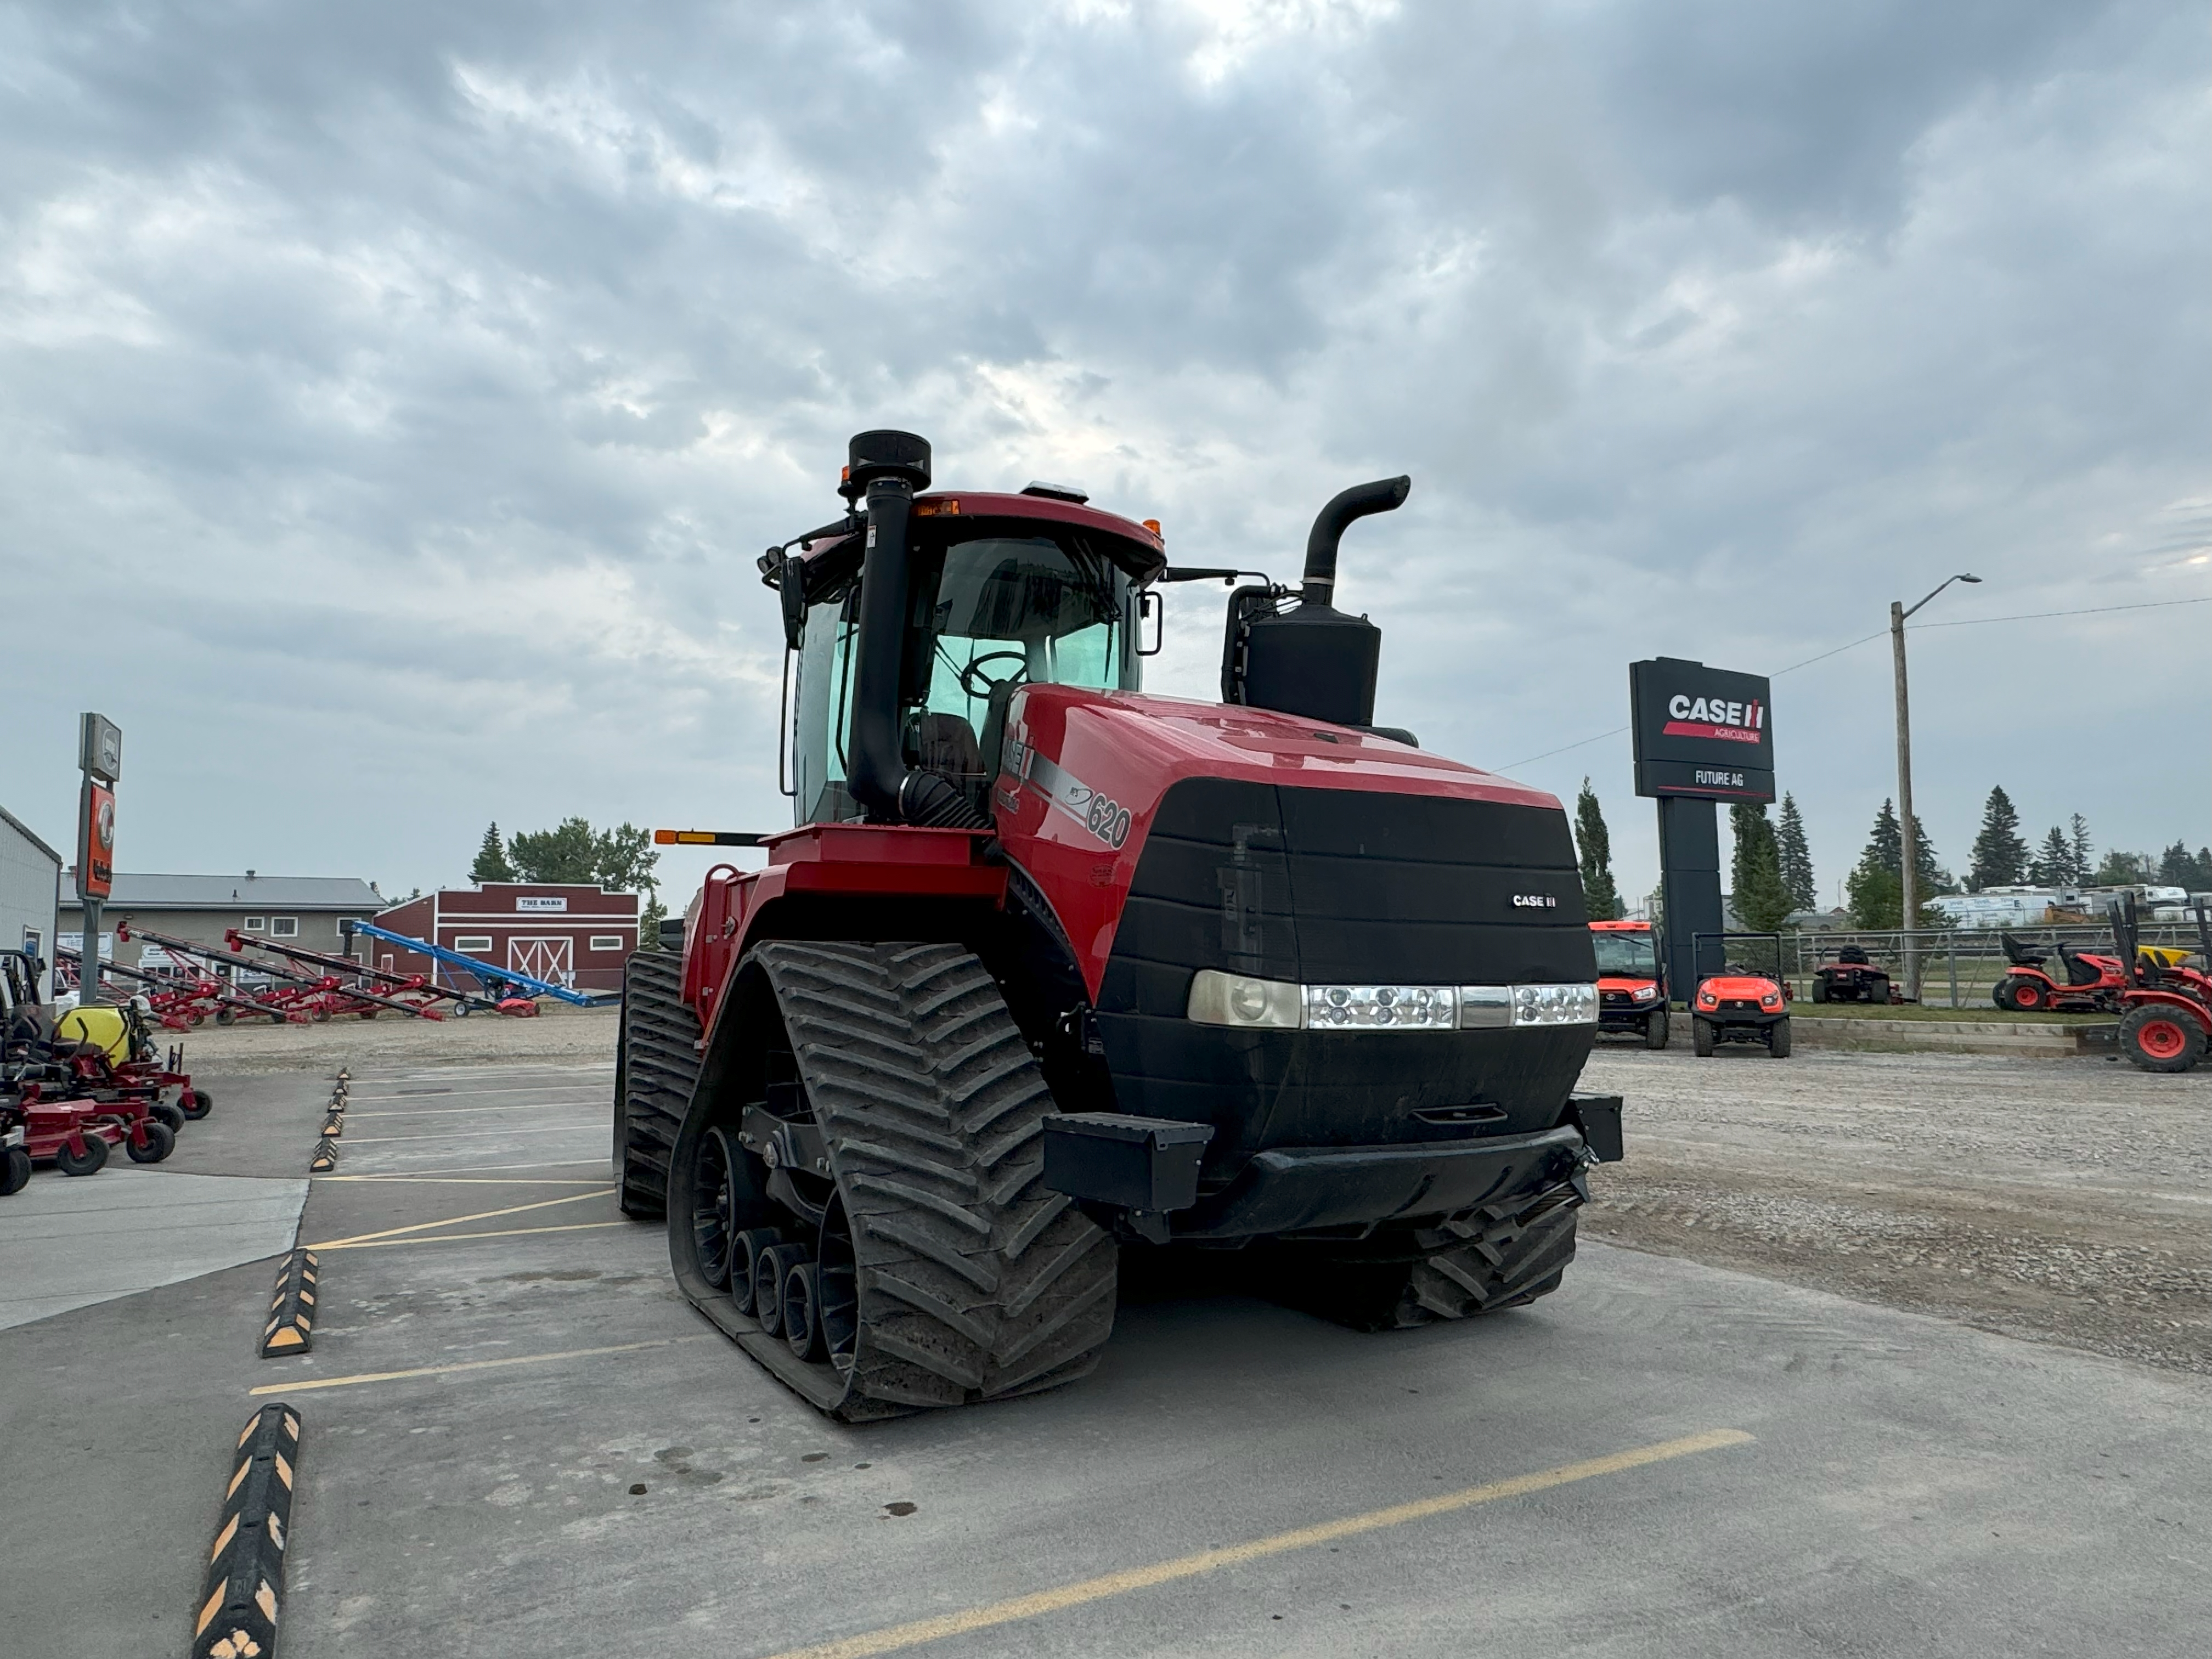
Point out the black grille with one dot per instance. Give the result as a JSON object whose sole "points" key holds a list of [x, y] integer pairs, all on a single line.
{"points": [[1321, 886]]}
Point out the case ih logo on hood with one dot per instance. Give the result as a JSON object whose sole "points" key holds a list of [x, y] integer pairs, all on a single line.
{"points": [[1534, 901], [1700, 717]]}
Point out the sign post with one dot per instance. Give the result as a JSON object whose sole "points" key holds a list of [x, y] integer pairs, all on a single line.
{"points": [[99, 757], [1703, 735]]}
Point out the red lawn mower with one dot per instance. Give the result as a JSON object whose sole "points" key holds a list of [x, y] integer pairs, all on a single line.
{"points": [[2092, 984], [2165, 1023]]}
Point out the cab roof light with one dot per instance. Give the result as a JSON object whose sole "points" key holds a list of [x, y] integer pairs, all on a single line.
{"points": [[1055, 492]]}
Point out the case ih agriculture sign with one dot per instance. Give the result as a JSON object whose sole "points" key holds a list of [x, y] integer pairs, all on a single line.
{"points": [[1700, 731]]}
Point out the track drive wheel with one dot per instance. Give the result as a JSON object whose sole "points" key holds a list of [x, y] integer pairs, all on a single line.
{"points": [[940, 1269], [1778, 1038], [2161, 1039], [1655, 1028], [656, 1067], [1703, 1035]]}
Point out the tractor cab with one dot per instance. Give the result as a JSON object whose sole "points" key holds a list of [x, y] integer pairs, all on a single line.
{"points": [[1631, 981], [998, 599]]}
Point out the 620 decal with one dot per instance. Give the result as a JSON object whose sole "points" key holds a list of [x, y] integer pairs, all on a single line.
{"points": [[1107, 819]]}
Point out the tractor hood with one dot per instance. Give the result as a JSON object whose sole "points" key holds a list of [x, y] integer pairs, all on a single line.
{"points": [[1084, 776]]}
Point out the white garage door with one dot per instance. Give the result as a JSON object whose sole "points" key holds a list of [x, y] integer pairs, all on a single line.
{"points": [[553, 960]]}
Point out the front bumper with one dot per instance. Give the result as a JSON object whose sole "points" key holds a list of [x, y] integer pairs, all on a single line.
{"points": [[1289, 1190]]}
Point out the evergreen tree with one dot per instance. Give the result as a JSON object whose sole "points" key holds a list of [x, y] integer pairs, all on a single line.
{"points": [[2000, 856], [1593, 852], [491, 863], [2053, 863], [1796, 857], [2079, 862], [2178, 868], [1875, 891], [1886, 845], [1761, 899]]}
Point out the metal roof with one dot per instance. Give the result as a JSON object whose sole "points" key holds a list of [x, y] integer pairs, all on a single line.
{"points": [[240, 892]]}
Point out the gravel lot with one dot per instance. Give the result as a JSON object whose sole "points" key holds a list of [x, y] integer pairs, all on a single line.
{"points": [[2068, 1200], [558, 1033]]}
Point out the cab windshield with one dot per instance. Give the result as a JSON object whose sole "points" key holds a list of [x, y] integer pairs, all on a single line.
{"points": [[991, 612], [1629, 954]]}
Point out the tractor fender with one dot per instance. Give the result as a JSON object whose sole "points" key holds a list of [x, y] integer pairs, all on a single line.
{"points": [[2173, 1000]]}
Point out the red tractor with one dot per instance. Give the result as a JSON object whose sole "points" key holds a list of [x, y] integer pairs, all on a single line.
{"points": [[1050, 969], [2165, 1019], [1631, 981]]}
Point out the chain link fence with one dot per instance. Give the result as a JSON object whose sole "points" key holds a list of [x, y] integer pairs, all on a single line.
{"points": [[1960, 966]]}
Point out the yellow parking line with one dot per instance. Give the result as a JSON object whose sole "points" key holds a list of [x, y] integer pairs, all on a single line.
{"points": [[456, 1220], [466, 1365], [467, 1181], [456, 1238], [895, 1637]]}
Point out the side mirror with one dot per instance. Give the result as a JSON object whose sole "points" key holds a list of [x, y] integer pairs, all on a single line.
{"points": [[791, 589], [1153, 608]]}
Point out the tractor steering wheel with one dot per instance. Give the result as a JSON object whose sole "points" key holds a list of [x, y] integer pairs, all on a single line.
{"points": [[980, 685]]}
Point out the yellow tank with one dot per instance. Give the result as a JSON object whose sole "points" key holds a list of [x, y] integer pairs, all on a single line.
{"points": [[104, 1026], [2166, 955]]}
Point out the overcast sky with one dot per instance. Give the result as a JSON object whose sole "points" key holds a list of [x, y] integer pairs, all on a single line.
{"points": [[394, 399]]}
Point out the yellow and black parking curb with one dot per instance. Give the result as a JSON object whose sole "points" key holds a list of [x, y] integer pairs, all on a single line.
{"points": [[245, 1590], [291, 1328]]}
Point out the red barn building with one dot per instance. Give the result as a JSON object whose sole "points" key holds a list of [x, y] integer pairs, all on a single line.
{"points": [[576, 936]]}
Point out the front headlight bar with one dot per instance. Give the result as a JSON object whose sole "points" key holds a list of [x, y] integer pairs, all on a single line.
{"points": [[1238, 1000]]}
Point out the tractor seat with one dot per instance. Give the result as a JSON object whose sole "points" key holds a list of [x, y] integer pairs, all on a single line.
{"points": [[1852, 954], [2019, 955], [2078, 972], [946, 744]]}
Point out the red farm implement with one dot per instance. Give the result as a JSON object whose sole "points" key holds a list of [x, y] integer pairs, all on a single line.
{"points": [[180, 999], [406, 994]]}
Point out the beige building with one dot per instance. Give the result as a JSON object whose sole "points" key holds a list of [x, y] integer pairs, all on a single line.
{"points": [[298, 910]]}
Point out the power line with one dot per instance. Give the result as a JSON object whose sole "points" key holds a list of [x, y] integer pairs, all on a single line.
{"points": [[2093, 610], [1971, 622]]}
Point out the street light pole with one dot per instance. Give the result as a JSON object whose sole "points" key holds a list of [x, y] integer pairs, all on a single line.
{"points": [[1909, 854]]}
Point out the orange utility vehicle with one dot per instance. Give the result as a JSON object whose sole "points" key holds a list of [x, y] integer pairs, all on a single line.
{"points": [[1632, 981], [1741, 1003]]}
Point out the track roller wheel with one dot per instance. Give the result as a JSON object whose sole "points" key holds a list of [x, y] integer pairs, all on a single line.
{"points": [[710, 1214], [745, 1251], [802, 1311], [771, 1268], [656, 1067], [892, 1112]]}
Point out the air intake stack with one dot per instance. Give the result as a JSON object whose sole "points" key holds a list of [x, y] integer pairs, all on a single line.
{"points": [[1313, 661]]}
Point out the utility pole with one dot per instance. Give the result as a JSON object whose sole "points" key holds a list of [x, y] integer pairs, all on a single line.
{"points": [[1908, 826]]}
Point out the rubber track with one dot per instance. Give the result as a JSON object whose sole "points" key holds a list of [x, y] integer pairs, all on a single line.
{"points": [[976, 1282], [660, 1067], [1496, 1256]]}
